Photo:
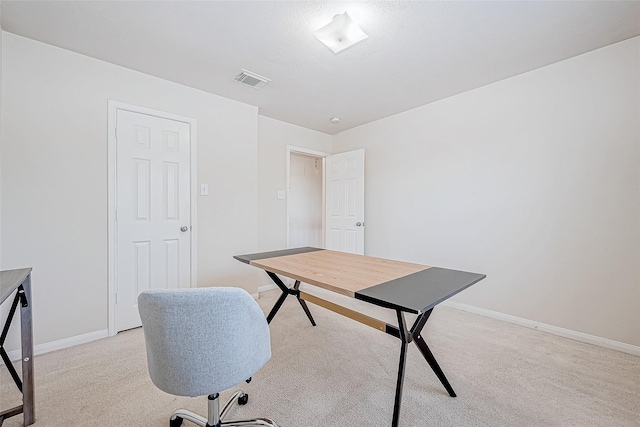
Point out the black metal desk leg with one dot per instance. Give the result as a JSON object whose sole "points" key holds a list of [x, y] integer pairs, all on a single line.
{"points": [[424, 349], [426, 352], [277, 306], [303, 303], [3, 336], [283, 296], [285, 293], [401, 365], [27, 354], [25, 385]]}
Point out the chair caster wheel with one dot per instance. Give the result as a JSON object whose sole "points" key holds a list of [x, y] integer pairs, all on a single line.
{"points": [[175, 423], [242, 400], [248, 380]]}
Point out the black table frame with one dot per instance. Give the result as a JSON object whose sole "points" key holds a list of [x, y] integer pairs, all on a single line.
{"points": [[405, 335], [442, 284], [23, 298]]}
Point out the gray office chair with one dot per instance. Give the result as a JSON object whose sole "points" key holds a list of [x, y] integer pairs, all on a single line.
{"points": [[203, 341]]}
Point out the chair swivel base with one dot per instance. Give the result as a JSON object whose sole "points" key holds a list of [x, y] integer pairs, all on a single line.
{"points": [[215, 418]]}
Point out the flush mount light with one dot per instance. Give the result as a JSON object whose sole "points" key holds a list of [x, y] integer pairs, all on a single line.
{"points": [[340, 33], [335, 120]]}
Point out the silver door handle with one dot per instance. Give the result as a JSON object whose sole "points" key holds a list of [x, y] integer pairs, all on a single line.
{"points": [[184, 228], [359, 224]]}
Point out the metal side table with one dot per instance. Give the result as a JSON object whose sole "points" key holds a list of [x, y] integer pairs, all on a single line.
{"points": [[20, 282]]}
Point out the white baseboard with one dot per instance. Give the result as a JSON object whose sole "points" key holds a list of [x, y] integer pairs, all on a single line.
{"points": [[266, 288], [555, 330], [262, 289], [60, 344]]}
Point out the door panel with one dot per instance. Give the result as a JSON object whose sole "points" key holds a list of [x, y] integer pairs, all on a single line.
{"points": [[152, 204], [345, 202]]}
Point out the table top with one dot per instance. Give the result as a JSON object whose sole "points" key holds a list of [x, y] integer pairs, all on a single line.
{"points": [[10, 280], [414, 288]]}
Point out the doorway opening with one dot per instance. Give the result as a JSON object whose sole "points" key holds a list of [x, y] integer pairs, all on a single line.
{"points": [[325, 203], [306, 198]]}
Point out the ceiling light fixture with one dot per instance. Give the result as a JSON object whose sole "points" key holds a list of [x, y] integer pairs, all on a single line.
{"points": [[335, 120], [340, 33]]}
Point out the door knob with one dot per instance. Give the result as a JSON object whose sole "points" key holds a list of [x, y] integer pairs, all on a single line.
{"points": [[358, 224], [184, 228]]}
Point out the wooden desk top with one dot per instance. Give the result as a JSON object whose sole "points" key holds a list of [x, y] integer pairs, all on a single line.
{"points": [[10, 280], [393, 284], [339, 272]]}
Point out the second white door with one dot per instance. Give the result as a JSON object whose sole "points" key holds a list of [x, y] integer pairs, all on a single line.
{"points": [[345, 202], [153, 230]]}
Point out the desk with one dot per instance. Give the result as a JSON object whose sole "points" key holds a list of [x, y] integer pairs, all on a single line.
{"points": [[400, 286], [20, 282]]}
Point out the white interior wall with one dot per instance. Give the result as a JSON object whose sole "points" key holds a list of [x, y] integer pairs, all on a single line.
{"points": [[54, 176], [273, 138], [534, 180], [1, 35], [4, 309], [1, 317]]}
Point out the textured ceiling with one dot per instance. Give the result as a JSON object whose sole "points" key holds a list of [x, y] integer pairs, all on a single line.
{"points": [[417, 52]]}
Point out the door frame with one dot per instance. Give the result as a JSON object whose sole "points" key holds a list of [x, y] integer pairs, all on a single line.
{"points": [[113, 107], [323, 155]]}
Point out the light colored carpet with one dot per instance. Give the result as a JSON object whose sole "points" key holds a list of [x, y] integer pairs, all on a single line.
{"points": [[342, 373]]}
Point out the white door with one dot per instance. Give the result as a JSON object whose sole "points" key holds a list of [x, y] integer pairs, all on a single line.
{"points": [[153, 230], [345, 202], [305, 200]]}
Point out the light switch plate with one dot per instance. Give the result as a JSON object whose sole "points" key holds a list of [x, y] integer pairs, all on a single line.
{"points": [[204, 189], [280, 194]]}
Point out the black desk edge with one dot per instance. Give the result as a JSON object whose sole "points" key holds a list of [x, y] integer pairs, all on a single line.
{"points": [[441, 283], [273, 254]]}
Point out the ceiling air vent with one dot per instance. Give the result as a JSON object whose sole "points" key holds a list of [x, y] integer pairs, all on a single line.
{"points": [[251, 79]]}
